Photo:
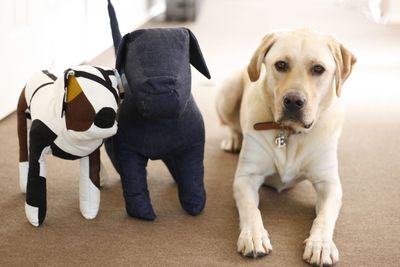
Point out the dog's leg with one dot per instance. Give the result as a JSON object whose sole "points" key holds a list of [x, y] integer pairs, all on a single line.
{"points": [[228, 103], [40, 139], [253, 166], [24, 124], [320, 249], [187, 170], [89, 185], [232, 142]]}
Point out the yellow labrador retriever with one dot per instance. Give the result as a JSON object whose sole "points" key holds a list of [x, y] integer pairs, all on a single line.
{"points": [[285, 116]]}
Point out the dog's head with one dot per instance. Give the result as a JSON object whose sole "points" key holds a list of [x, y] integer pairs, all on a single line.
{"points": [[156, 64], [90, 102], [304, 72]]}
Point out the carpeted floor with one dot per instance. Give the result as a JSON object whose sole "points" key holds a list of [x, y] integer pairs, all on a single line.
{"points": [[367, 232]]}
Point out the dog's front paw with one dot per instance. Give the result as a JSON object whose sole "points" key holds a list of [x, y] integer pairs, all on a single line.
{"points": [[320, 252], [254, 242], [232, 143]]}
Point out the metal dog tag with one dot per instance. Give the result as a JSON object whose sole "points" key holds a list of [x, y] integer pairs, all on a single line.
{"points": [[281, 140]]}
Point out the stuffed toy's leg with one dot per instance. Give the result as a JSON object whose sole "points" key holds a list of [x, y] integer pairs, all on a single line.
{"points": [[132, 169], [109, 145], [89, 185], [187, 170], [40, 139], [36, 203], [24, 124], [103, 175]]}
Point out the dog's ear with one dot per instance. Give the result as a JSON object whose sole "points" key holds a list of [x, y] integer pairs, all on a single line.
{"points": [[254, 67], [344, 60], [196, 57]]}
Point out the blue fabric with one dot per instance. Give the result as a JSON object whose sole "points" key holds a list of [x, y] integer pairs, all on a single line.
{"points": [[159, 118]]}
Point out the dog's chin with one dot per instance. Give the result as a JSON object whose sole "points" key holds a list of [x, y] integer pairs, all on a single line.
{"points": [[298, 126]]}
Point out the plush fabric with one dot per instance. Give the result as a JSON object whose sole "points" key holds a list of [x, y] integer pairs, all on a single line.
{"points": [[159, 118], [68, 117], [116, 34]]}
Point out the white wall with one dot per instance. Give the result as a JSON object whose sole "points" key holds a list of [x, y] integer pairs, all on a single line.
{"points": [[390, 11], [381, 11], [56, 34]]}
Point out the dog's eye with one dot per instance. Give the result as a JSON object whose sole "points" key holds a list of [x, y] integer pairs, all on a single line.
{"points": [[281, 66], [317, 70]]}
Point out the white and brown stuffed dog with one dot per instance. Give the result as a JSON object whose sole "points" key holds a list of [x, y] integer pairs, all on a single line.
{"points": [[68, 117]]}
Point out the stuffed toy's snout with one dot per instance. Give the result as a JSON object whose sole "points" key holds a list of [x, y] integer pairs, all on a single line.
{"points": [[158, 98]]}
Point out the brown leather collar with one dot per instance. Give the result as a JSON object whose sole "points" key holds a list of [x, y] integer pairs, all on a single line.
{"points": [[271, 125]]}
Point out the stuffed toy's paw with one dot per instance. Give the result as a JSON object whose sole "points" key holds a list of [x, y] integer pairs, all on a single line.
{"points": [[89, 196], [139, 206], [36, 202], [192, 199], [32, 214]]}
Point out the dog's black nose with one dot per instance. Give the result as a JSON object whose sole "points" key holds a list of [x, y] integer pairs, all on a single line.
{"points": [[294, 102], [105, 118]]}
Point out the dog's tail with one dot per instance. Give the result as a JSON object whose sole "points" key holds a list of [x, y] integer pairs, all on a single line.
{"points": [[116, 33]]}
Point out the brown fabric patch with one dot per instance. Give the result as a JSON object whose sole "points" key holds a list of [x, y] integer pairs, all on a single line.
{"points": [[79, 113], [94, 167], [22, 127]]}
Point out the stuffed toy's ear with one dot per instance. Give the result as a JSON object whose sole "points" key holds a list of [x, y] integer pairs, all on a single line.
{"points": [[344, 60], [116, 34], [196, 57], [73, 89], [79, 112], [254, 67]]}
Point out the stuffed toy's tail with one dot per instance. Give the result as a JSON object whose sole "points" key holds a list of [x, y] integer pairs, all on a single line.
{"points": [[116, 34]]}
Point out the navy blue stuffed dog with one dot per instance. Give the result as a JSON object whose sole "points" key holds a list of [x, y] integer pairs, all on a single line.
{"points": [[159, 118]]}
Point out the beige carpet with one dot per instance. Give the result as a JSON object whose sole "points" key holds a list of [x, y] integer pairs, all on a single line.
{"points": [[367, 232]]}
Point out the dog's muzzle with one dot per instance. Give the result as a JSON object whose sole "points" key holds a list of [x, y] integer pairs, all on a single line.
{"points": [[294, 105]]}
